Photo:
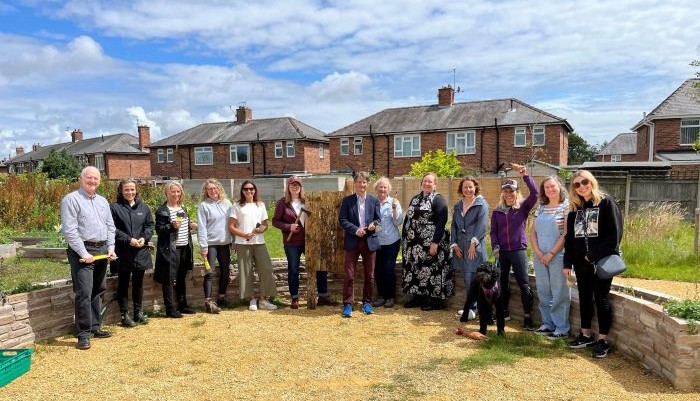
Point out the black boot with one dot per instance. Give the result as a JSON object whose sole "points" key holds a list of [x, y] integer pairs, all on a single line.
{"points": [[140, 318], [184, 308], [126, 320]]}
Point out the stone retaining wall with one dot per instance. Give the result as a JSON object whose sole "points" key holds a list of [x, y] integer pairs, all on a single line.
{"points": [[641, 330]]}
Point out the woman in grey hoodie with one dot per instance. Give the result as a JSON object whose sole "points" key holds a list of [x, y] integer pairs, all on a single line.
{"points": [[214, 240]]}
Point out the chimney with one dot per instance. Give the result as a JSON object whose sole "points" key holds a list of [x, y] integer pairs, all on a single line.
{"points": [[19, 150], [76, 135], [446, 96], [144, 136], [36, 147], [243, 114]]}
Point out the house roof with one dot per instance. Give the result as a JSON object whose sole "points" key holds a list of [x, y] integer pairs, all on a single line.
{"points": [[690, 157], [466, 115], [625, 165], [684, 101], [266, 129], [115, 144], [623, 144]]}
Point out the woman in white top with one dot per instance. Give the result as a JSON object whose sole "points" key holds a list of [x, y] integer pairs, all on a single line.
{"points": [[247, 223]]}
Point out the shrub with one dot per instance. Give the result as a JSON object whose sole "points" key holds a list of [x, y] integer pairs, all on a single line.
{"points": [[685, 309]]}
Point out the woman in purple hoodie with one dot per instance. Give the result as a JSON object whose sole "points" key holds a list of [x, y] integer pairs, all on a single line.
{"points": [[509, 240]]}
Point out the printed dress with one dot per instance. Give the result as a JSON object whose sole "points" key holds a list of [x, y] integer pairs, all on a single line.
{"points": [[424, 274]]}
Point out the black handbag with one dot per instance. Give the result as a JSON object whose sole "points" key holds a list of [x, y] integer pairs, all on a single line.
{"points": [[607, 267]]}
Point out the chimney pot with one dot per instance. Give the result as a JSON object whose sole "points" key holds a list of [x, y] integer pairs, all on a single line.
{"points": [[144, 136], [19, 150], [446, 96], [243, 114]]}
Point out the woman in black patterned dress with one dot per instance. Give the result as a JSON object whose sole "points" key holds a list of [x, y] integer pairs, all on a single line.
{"points": [[427, 273]]}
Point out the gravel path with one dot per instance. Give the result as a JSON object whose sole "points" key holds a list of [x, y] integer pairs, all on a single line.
{"points": [[675, 288], [396, 354]]}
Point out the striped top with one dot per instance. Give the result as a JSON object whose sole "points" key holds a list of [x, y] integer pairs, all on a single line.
{"points": [[560, 211], [179, 213]]}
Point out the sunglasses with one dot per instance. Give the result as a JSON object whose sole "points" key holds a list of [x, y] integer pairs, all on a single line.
{"points": [[584, 182], [251, 189]]}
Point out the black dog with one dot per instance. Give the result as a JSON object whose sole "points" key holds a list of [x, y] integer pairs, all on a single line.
{"points": [[487, 283]]}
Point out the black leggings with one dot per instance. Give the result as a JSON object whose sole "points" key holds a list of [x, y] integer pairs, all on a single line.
{"points": [[222, 255], [592, 288], [136, 278], [517, 259]]}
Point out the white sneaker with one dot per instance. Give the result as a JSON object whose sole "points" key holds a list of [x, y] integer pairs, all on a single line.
{"points": [[267, 305], [253, 304], [471, 315], [459, 313]]}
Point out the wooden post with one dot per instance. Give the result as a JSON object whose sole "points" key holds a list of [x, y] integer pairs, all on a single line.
{"points": [[697, 230], [628, 185]]}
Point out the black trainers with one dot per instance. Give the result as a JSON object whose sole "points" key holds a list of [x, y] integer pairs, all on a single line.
{"points": [[528, 325], [140, 318], [506, 316], [544, 331], [601, 349], [581, 341]]}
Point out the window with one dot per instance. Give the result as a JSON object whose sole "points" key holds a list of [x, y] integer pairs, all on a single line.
{"points": [[615, 158], [100, 162], [171, 156], [203, 156], [240, 153], [344, 146], [461, 143], [278, 150], [161, 156], [538, 136], [690, 129], [82, 160], [407, 146], [320, 151], [357, 149], [290, 148], [519, 137]]}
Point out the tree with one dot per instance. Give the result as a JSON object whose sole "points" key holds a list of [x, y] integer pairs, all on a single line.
{"points": [[438, 162], [61, 165], [580, 151]]}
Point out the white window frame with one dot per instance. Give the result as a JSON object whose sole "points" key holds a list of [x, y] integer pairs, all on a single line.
{"points": [[520, 133], [290, 149], [170, 155], [615, 158], [413, 140], [320, 151], [160, 156], [344, 146], [100, 161], [278, 150], [686, 125], [537, 131], [202, 152], [357, 145], [462, 142], [82, 160], [233, 153]]}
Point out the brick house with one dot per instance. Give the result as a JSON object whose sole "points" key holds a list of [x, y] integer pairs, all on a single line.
{"points": [[242, 148], [667, 133], [117, 156], [623, 148], [484, 134]]}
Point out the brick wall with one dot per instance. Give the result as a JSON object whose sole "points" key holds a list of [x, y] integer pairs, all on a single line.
{"points": [[263, 161], [555, 151], [124, 166], [641, 330]]}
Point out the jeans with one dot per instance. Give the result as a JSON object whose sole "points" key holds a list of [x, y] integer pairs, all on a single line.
{"points": [[554, 294], [518, 260], [222, 255], [385, 270], [89, 283], [293, 253]]}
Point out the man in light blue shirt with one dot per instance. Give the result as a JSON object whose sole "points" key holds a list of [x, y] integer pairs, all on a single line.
{"points": [[89, 231]]}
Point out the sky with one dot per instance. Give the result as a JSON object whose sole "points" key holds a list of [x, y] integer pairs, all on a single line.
{"points": [[105, 66]]}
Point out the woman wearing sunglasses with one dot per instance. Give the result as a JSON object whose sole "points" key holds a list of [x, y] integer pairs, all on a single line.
{"points": [[594, 231], [247, 223]]}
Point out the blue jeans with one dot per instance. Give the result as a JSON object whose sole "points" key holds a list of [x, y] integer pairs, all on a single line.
{"points": [[293, 253], [554, 294], [385, 270]]}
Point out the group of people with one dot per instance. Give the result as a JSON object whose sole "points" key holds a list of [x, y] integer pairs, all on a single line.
{"points": [[570, 232]]}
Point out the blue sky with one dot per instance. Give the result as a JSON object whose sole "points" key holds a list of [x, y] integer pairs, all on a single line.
{"points": [[103, 66]]}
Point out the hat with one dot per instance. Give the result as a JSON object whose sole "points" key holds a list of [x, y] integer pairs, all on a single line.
{"points": [[291, 180], [512, 184]]}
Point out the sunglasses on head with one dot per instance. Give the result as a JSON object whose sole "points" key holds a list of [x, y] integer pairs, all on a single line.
{"points": [[251, 189], [584, 181]]}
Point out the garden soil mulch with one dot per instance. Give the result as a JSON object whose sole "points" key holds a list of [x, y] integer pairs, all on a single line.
{"points": [[395, 354]]}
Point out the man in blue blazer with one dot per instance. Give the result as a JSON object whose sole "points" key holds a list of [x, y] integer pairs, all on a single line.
{"points": [[359, 217]]}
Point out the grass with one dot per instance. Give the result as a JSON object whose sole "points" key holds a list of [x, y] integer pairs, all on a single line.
{"points": [[501, 350], [18, 274]]}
